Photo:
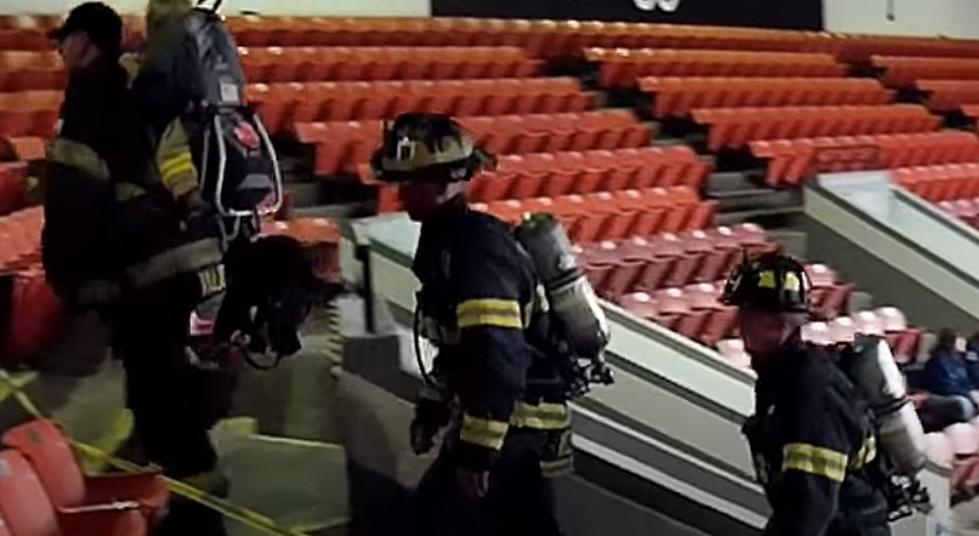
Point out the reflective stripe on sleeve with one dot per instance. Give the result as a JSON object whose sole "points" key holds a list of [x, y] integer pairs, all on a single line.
{"points": [[544, 416], [866, 454], [484, 432], [489, 313], [814, 460]]}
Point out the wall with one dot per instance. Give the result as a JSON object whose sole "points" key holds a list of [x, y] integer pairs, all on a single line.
{"points": [[415, 8], [951, 18], [804, 14]]}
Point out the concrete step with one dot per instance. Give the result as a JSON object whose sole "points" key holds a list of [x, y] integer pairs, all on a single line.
{"points": [[729, 181], [335, 211], [769, 218], [755, 198], [793, 242], [305, 194]]}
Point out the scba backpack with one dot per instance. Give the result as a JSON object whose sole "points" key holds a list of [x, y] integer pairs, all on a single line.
{"points": [[196, 76]]}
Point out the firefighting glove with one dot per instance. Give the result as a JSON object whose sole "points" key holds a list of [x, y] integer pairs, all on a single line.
{"points": [[430, 417]]}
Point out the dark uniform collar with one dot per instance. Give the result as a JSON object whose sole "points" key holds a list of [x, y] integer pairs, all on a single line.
{"points": [[773, 369], [436, 232]]}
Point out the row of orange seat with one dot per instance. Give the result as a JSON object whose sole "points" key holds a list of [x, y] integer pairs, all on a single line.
{"points": [[678, 96], [623, 67], [540, 37], [13, 186], [665, 260], [24, 71], [735, 127], [283, 104], [791, 161], [940, 183], [949, 95], [43, 490], [554, 174], [29, 113], [615, 215], [311, 64], [906, 71], [342, 146]]}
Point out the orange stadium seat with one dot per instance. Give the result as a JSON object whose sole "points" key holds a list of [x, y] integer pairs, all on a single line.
{"points": [[940, 183], [905, 71], [736, 127], [22, 70], [791, 161], [615, 215], [283, 104], [44, 444], [13, 186], [25, 509], [553, 174], [29, 113], [949, 95], [677, 96], [312, 64], [622, 67], [341, 147]]}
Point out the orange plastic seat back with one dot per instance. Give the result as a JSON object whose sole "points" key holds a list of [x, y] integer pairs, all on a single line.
{"points": [[24, 506], [44, 444]]}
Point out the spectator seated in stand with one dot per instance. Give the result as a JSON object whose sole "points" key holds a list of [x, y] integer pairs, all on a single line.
{"points": [[946, 375]]}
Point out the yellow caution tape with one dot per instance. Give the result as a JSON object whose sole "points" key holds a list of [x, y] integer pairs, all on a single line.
{"points": [[225, 508]]}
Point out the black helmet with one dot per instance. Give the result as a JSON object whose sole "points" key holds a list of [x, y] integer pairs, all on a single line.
{"points": [[772, 282], [102, 24], [429, 147]]}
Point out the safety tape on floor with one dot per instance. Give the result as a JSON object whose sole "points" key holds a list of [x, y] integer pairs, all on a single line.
{"points": [[227, 509]]}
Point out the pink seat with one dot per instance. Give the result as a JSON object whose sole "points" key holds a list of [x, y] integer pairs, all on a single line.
{"points": [[842, 330], [868, 323], [938, 449], [817, 333], [963, 439], [821, 275], [892, 318], [640, 304]]}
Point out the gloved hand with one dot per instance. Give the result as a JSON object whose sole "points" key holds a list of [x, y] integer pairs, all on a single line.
{"points": [[430, 417]]}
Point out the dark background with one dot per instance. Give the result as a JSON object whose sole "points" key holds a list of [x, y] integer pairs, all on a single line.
{"points": [[796, 14]]}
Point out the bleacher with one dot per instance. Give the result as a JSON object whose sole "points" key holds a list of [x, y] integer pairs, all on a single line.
{"points": [[639, 212]]}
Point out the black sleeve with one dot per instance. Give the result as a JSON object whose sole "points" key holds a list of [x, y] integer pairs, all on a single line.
{"points": [[490, 287], [817, 441]]}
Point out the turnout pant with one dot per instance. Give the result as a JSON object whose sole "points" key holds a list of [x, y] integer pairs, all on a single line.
{"points": [[520, 500]]}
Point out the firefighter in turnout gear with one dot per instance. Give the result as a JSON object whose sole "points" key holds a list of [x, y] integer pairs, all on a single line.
{"points": [[812, 438], [495, 391], [119, 240]]}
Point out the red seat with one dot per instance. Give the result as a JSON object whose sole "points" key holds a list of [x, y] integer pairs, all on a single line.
{"points": [[44, 444], [26, 510]]}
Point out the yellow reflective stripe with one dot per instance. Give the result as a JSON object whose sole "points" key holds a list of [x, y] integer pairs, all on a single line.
{"points": [[176, 165], [866, 454], [483, 432], [790, 282], [814, 460], [559, 467], [544, 416], [766, 279], [489, 312]]}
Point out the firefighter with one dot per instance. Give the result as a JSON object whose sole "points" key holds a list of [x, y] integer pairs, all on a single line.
{"points": [[811, 438], [96, 143], [156, 266], [492, 384]]}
